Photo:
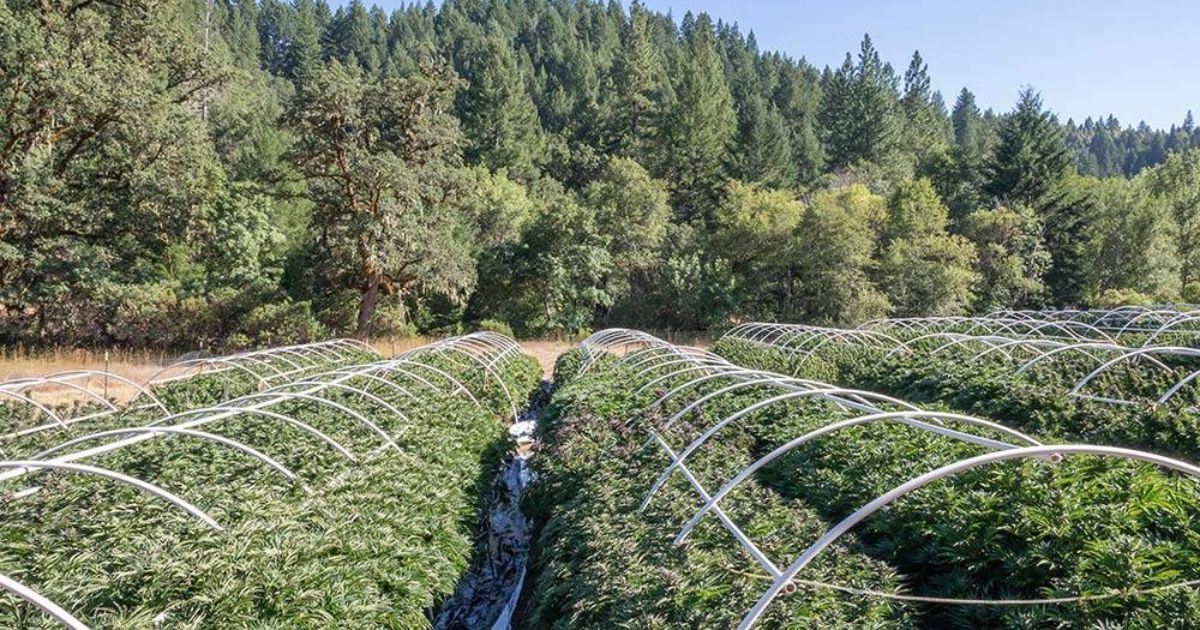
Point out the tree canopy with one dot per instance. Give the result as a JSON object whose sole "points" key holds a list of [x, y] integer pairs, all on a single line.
{"points": [[247, 171]]}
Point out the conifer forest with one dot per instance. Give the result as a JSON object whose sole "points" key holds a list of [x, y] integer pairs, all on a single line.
{"points": [[240, 172]]}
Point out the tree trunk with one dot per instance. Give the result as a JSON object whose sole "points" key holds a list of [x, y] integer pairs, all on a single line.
{"points": [[366, 308]]}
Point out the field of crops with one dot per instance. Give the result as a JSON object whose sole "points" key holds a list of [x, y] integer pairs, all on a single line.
{"points": [[1020, 470], [310, 486], [904, 474]]}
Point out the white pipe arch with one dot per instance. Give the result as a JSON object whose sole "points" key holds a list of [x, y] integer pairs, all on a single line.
{"points": [[228, 412], [202, 363], [690, 361], [707, 368], [721, 391], [141, 388], [23, 385], [1029, 345], [36, 405], [512, 403], [828, 429], [265, 359], [1134, 320], [1182, 318], [394, 386], [203, 435], [660, 353], [1190, 352], [391, 363], [122, 478], [344, 387], [906, 346], [991, 341], [289, 396], [392, 369], [809, 353], [762, 404], [745, 375], [950, 470], [254, 359], [1085, 349], [33, 597]]}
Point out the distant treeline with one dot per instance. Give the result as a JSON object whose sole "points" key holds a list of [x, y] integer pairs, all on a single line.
{"points": [[177, 172]]}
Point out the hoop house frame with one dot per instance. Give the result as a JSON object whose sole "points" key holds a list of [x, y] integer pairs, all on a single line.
{"points": [[1015, 445]]}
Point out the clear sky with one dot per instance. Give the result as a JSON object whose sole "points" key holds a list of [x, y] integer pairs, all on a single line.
{"points": [[1137, 60]]}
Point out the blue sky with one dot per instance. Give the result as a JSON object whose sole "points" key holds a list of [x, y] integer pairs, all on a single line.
{"points": [[1137, 60]]}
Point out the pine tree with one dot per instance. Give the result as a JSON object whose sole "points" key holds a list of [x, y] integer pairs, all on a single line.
{"points": [[837, 121], [640, 94], [762, 151], [967, 123], [924, 124], [276, 32], [798, 99], [701, 124], [1106, 154], [304, 55], [351, 36], [1031, 158], [241, 33], [498, 116], [859, 115]]}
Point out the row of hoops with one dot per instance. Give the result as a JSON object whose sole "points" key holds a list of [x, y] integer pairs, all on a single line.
{"points": [[802, 343], [484, 352], [659, 366], [261, 365]]}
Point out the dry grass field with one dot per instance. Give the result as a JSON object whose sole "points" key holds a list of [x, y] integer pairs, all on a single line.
{"points": [[136, 366], [141, 366]]}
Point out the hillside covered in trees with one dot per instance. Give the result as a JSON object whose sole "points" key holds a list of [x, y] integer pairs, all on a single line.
{"points": [[175, 172]]}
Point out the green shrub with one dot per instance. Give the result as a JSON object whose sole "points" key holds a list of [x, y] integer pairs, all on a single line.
{"points": [[281, 323], [496, 326]]}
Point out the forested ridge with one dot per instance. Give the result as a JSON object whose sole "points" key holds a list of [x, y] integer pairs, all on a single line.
{"points": [[232, 173]]}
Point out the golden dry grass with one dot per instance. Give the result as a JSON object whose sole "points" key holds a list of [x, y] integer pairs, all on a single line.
{"points": [[140, 366], [546, 352], [136, 366]]}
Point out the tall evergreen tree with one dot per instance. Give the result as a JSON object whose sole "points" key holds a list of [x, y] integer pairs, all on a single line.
{"points": [[860, 113], [701, 124], [639, 92], [242, 33], [797, 95], [762, 151], [498, 116], [1031, 159], [925, 126], [967, 122], [304, 55], [276, 34]]}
